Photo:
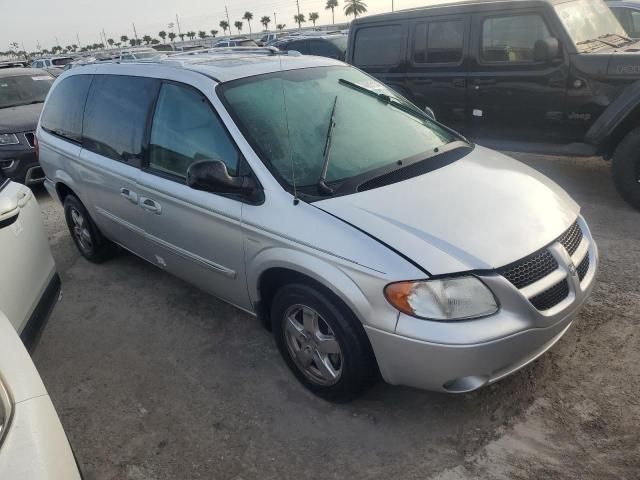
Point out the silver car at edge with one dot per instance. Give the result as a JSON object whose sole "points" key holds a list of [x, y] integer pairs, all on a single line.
{"points": [[368, 237]]}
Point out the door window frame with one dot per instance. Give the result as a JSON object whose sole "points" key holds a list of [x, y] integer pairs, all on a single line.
{"points": [[466, 21], [402, 56], [244, 169], [482, 18]]}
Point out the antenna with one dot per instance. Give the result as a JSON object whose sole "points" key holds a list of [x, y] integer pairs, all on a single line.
{"points": [[296, 200]]}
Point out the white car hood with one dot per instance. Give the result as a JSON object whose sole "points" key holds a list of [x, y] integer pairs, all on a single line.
{"points": [[483, 211]]}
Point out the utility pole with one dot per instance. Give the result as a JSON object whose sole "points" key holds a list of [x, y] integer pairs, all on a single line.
{"points": [[78, 38], [275, 20], [298, 5], [106, 44], [392, 9], [135, 34], [178, 23], [226, 10], [57, 42]]}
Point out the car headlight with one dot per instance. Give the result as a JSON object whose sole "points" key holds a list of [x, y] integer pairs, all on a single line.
{"points": [[454, 298], [8, 139], [5, 410]]}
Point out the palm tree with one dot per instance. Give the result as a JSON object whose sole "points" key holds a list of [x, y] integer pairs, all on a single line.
{"points": [[224, 25], [172, 37], [281, 26], [124, 39], [299, 19], [248, 16], [117, 44], [75, 47], [181, 35], [355, 8], [147, 39], [202, 34], [238, 25], [331, 5], [191, 35], [163, 35], [110, 41], [265, 21], [214, 33], [132, 42], [313, 16]]}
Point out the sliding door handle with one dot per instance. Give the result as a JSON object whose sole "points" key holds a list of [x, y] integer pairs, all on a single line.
{"points": [[150, 205]]}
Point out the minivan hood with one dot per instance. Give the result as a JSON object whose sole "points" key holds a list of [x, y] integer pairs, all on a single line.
{"points": [[483, 211], [20, 119]]}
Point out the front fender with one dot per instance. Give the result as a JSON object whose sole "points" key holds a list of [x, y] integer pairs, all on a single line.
{"points": [[616, 113], [313, 267]]}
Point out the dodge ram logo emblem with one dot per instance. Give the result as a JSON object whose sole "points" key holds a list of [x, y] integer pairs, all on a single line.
{"points": [[572, 269]]}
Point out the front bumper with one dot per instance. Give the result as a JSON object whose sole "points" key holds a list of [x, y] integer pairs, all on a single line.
{"points": [[463, 356], [21, 165]]}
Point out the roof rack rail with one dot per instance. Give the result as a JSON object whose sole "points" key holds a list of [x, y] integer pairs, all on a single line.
{"points": [[228, 50]]}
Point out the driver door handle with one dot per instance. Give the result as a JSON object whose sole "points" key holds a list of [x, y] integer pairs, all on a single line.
{"points": [[129, 195], [150, 205]]}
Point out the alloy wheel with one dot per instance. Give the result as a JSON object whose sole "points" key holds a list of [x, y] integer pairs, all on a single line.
{"points": [[81, 230]]}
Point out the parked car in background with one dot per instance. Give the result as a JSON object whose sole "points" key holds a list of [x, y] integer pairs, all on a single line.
{"points": [[33, 444], [367, 236], [556, 76], [30, 284], [236, 42], [53, 65], [22, 94], [13, 64], [628, 14], [139, 54], [269, 37], [330, 46]]}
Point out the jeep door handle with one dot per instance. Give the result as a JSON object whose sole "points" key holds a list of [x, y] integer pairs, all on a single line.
{"points": [[150, 205], [129, 195]]}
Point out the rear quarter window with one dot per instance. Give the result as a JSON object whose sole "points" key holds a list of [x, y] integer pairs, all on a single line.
{"points": [[116, 115], [63, 111], [378, 46]]}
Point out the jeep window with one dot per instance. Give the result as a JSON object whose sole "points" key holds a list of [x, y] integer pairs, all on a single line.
{"points": [[587, 20], [61, 62], [439, 42], [629, 18], [62, 115], [290, 139], [378, 46], [186, 129], [512, 38], [116, 114], [24, 89]]}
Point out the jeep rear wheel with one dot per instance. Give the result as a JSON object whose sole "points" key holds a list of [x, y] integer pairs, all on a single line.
{"points": [[626, 168]]}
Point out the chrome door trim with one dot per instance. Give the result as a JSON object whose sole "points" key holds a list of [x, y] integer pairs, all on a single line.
{"points": [[120, 221]]}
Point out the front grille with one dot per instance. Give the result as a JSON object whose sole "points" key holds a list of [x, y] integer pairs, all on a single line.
{"points": [[530, 270], [551, 296], [31, 139], [583, 268], [571, 239]]}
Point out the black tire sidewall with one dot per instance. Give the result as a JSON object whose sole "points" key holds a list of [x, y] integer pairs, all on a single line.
{"points": [[625, 166], [358, 367], [101, 247]]}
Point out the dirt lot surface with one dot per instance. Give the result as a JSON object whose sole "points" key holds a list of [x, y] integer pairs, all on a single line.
{"points": [[154, 380]]}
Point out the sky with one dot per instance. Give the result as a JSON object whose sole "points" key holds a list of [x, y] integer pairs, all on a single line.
{"points": [[34, 22]]}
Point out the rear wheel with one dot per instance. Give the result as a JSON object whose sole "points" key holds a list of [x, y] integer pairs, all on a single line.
{"points": [[626, 168], [93, 246], [322, 342]]}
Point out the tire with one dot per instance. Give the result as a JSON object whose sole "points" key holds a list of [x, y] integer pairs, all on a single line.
{"points": [[626, 168], [93, 246], [338, 331]]}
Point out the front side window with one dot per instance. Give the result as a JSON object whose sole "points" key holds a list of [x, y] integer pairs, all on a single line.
{"points": [[439, 42], [286, 118], [185, 129], [21, 90], [378, 46], [63, 112], [512, 38], [116, 115], [588, 20], [629, 19]]}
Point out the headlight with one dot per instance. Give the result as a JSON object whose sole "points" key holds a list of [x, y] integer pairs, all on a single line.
{"points": [[5, 410], [455, 298], [8, 139]]}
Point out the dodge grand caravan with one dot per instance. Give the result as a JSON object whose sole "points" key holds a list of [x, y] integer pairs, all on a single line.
{"points": [[367, 237]]}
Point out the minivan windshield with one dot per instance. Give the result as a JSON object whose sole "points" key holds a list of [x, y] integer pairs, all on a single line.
{"points": [[287, 115], [24, 89], [587, 20]]}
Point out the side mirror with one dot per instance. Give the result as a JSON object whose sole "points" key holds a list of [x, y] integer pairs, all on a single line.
{"points": [[213, 176], [430, 113], [546, 50]]}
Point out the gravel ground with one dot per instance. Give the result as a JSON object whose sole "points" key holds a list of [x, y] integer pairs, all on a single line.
{"points": [[154, 380]]}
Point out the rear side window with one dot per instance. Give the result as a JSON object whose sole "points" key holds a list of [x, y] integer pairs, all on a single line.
{"points": [[186, 129], [116, 115], [439, 42], [322, 49], [378, 46], [63, 113], [512, 38], [301, 46]]}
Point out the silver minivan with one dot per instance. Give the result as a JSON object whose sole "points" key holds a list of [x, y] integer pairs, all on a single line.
{"points": [[368, 237]]}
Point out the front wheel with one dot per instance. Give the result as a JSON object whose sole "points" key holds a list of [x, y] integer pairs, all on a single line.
{"points": [[626, 168], [322, 342]]}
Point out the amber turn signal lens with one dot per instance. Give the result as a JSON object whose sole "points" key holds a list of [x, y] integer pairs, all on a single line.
{"points": [[397, 294]]}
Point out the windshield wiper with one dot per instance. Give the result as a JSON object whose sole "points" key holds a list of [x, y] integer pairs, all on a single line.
{"points": [[322, 185], [387, 99]]}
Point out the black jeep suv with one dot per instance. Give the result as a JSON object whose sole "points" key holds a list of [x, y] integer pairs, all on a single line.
{"points": [[543, 76]]}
